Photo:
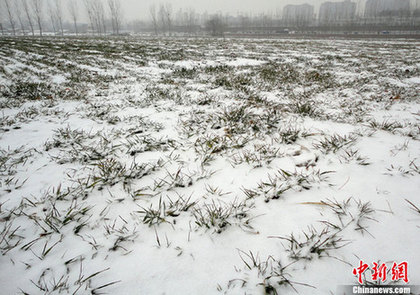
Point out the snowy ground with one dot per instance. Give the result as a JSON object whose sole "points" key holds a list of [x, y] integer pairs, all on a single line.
{"points": [[183, 166]]}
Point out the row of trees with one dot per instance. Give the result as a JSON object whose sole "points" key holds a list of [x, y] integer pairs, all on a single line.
{"points": [[25, 12], [163, 19], [34, 15], [97, 14], [31, 15], [104, 16]]}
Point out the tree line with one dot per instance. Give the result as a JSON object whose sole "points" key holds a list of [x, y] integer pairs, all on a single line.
{"points": [[32, 16], [106, 17]]}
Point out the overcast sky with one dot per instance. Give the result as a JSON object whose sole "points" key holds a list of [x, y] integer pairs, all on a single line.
{"points": [[135, 8], [140, 8]]}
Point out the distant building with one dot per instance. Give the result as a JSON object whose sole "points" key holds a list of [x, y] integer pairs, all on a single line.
{"points": [[298, 15], [382, 8], [416, 9], [335, 12], [379, 8], [415, 6]]}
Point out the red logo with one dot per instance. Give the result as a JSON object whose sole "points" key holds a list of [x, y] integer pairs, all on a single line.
{"points": [[379, 272], [400, 271]]}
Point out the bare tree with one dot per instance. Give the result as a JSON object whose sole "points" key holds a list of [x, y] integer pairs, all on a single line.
{"points": [[191, 20], [266, 21], [180, 18], [73, 11], [53, 19], [215, 25], [1, 18], [89, 10], [162, 18], [166, 18], [245, 22], [186, 20], [99, 15], [116, 15], [100, 11], [169, 17], [58, 11], [111, 8], [18, 13], [37, 7], [10, 15], [96, 13], [153, 16], [28, 15]]}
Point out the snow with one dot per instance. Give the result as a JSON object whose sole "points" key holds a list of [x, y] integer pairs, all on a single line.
{"points": [[58, 79], [313, 134], [240, 62], [414, 80]]}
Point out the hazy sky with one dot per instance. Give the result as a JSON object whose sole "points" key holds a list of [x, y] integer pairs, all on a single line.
{"points": [[135, 8], [140, 8]]}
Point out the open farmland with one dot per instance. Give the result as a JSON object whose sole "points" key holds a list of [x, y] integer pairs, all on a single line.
{"points": [[206, 166]]}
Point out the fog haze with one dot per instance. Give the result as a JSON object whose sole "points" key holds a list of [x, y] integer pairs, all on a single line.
{"points": [[135, 9], [139, 9]]}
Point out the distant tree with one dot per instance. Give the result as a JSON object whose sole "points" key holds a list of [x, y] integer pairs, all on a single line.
{"points": [[166, 18], [102, 15], [215, 25], [26, 9], [169, 17], [245, 22], [268, 20], [58, 11], [37, 6], [96, 14], [192, 20], [18, 13], [1, 18], [162, 18], [52, 15], [153, 16], [180, 18], [89, 10], [186, 20], [10, 15], [74, 13], [278, 17], [116, 15], [99, 12]]}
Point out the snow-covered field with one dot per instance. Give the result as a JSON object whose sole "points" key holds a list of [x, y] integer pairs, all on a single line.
{"points": [[195, 166]]}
